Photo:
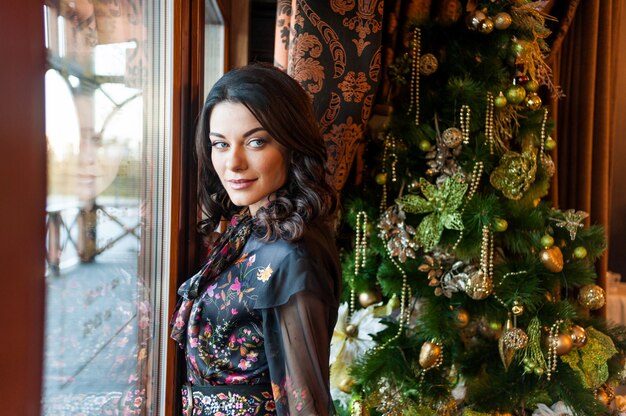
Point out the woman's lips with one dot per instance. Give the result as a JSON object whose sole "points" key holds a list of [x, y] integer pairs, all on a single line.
{"points": [[238, 184]]}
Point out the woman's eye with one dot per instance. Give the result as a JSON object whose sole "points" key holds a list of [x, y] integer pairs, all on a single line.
{"points": [[218, 145], [257, 142]]}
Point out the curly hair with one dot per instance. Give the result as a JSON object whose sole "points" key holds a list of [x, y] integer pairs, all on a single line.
{"points": [[285, 110]]}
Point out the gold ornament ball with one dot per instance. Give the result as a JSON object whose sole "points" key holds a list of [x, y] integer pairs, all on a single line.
{"points": [[515, 94], [381, 178], [473, 19], [517, 308], [552, 258], [533, 101], [462, 318], [352, 330], [452, 137], [502, 21], [500, 101], [580, 252], [428, 64], [550, 144], [346, 385], [579, 336], [563, 344], [478, 285], [591, 297], [538, 371], [486, 26], [429, 354], [369, 298]]}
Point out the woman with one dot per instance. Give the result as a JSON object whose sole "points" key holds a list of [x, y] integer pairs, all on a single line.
{"points": [[256, 321]]}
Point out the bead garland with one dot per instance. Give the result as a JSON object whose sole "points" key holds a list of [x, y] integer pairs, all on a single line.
{"points": [[415, 73], [503, 303], [553, 342], [477, 172], [388, 152], [543, 133], [360, 250], [403, 318], [486, 252], [465, 122], [489, 117]]}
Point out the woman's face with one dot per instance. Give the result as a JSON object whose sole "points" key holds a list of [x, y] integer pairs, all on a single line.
{"points": [[250, 164]]}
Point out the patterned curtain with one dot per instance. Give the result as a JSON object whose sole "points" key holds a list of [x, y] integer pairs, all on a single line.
{"points": [[334, 50]]}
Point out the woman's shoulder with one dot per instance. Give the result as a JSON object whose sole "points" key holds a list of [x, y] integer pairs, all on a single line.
{"points": [[308, 264], [317, 240]]}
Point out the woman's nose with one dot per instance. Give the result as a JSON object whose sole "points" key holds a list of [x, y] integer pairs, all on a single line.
{"points": [[236, 159]]}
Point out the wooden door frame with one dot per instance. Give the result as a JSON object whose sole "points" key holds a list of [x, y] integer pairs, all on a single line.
{"points": [[23, 206]]}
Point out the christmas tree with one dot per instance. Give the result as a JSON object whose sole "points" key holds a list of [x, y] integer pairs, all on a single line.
{"points": [[469, 293]]}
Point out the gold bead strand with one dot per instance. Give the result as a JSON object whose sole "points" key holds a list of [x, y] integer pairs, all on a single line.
{"points": [[415, 73], [360, 249], [489, 117], [403, 317], [394, 159], [465, 122], [383, 201], [543, 133], [552, 345]]}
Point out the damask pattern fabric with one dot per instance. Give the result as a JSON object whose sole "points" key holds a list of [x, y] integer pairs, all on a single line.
{"points": [[334, 50]]}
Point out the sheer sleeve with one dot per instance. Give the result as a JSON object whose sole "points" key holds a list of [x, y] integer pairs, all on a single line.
{"points": [[297, 342]]}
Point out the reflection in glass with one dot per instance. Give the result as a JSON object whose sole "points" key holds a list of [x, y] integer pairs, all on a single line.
{"points": [[106, 138]]}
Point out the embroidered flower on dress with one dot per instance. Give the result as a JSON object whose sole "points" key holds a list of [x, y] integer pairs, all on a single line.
{"points": [[264, 273]]}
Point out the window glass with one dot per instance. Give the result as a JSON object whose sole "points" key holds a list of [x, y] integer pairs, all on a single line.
{"points": [[107, 130]]}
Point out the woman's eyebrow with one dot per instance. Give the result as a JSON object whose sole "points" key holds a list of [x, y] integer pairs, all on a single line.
{"points": [[246, 134]]}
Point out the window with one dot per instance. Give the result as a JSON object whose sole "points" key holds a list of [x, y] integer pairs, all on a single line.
{"points": [[108, 132]]}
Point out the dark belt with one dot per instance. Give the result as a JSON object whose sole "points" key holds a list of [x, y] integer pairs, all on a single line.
{"points": [[231, 399]]}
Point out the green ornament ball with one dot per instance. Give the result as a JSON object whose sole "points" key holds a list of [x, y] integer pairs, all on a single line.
{"points": [[538, 371], [531, 85], [547, 241], [550, 144], [515, 94], [495, 325], [517, 48], [580, 252], [381, 178], [425, 145], [500, 101], [500, 225]]}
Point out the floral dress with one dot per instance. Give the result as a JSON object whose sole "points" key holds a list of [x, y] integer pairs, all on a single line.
{"points": [[258, 335]]}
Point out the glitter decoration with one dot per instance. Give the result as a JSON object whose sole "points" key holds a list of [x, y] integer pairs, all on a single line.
{"points": [[571, 220]]}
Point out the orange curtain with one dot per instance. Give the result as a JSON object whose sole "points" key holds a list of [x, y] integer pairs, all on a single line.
{"points": [[585, 68], [334, 50]]}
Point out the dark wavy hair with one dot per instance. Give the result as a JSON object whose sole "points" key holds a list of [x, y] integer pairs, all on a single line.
{"points": [[285, 110]]}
